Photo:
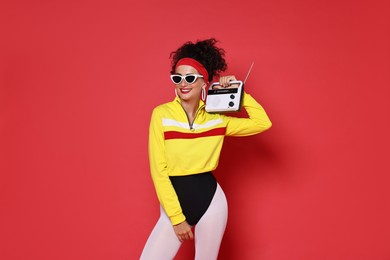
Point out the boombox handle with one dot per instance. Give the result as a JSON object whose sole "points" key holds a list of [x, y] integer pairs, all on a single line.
{"points": [[231, 82]]}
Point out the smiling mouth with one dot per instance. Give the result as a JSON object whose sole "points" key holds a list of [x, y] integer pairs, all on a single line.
{"points": [[185, 90]]}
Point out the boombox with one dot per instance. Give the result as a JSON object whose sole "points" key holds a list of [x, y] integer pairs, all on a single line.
{"points": [[221, 100]]}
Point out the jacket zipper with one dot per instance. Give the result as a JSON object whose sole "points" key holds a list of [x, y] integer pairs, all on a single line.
{"points": [[188, 119]]}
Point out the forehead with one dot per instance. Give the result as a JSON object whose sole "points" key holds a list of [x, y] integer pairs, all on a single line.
{"points": [[186, 69]]}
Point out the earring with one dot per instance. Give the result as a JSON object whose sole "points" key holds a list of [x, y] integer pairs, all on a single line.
{"points": [[176, 92], [203, 95]]}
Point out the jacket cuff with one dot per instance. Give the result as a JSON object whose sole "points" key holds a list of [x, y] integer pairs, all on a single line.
{"points": [[177, 219]]}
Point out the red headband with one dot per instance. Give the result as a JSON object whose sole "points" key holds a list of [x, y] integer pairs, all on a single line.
{"points": [[197, 65]]}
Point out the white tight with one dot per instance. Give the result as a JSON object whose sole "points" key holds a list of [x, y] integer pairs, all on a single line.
{"points": [[163, 243]]}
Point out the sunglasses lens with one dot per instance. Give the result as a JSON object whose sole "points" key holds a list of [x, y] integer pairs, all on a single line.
{"points": [[176, 79], [190, 79]]}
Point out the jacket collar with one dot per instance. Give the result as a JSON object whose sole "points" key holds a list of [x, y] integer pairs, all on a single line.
{"points": [[201, 102]]}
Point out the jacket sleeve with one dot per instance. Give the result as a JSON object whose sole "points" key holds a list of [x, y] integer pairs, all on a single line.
{"points": [[165, 192], [257, 122]]}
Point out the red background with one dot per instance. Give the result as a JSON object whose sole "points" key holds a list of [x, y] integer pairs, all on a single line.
{"points": [[78, 81]]}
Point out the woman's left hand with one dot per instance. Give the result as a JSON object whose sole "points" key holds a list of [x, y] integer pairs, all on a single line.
{"points": [[225, 81]]}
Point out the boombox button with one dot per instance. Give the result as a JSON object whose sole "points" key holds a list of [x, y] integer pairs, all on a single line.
{"points": [[232, 96], [231, 104]]}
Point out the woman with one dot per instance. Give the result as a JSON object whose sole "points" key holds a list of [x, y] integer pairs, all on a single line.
{"points": [[184, 147]]}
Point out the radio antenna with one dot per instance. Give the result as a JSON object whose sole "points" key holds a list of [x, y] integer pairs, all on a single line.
{"points": [[249, 71]]}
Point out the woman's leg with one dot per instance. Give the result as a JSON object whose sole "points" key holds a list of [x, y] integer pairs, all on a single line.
{"points": [[162, 243], [210, 228]]}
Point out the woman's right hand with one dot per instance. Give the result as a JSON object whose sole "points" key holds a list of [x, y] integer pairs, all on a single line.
{"points": [[183, 231]]}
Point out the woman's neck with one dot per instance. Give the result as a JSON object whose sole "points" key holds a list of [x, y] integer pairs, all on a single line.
{"points": [[190, 107]]}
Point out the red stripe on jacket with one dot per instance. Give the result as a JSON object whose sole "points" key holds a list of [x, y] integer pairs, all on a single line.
{"points": [[179, 135]]}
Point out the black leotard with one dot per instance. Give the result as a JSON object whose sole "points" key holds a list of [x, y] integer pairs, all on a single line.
{"points": [[195, 193]]}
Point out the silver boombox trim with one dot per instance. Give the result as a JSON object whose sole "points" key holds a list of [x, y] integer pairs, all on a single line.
{"points": [[222, 100]]}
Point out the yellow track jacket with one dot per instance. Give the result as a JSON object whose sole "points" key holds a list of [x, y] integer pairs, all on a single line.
{"points": [[178, 148]]}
